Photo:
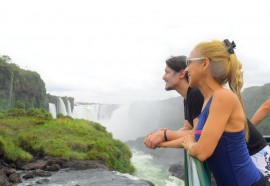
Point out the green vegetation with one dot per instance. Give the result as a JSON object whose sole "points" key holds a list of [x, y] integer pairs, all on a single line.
{"points": [[20, 85], [21, 136]]}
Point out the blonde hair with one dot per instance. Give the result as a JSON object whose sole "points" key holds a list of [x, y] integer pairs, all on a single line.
{"points": [[225, 67]]}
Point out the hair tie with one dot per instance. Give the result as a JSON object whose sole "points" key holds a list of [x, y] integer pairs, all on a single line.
{"points": [[231, 45]]}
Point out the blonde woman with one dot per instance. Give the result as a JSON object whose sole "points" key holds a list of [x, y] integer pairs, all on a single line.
{"points": [[221, 131]]}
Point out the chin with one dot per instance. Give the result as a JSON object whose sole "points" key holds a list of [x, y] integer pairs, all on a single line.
{"points": [[168, 88]]}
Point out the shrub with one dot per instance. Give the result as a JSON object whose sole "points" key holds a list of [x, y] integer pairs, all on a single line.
{"points": [[11, 151], [40, 115], [16, 112], [3, 114], [19, 105], [59, 115], [98, 126]]}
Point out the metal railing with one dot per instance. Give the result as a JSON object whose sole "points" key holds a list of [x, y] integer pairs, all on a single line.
{"points": [[267, 138], [196, 172]]}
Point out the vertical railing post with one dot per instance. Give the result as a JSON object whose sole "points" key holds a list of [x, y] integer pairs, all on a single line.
{"points": [[196, 172], [185, 168]]}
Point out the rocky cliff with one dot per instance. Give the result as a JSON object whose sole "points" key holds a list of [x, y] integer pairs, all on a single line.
{"points": [[20, 85]]}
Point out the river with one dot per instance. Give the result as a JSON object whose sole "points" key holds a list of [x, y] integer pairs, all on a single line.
{"points": [[149, 168]]}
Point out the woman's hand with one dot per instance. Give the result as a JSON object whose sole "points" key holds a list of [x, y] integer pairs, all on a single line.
{"points": [[188, 142]]}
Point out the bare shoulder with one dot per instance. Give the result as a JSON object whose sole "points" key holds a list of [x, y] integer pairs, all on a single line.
{"points": [[224, 95]]}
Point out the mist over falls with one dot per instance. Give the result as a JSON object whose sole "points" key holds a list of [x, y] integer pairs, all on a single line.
{"points": [[139, 118], [127, 122]]}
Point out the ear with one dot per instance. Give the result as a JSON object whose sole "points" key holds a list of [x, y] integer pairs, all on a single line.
{"points": [[206, 63], [182, 74]]}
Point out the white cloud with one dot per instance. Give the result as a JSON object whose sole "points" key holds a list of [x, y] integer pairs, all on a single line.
{"points": [[115, 50]]}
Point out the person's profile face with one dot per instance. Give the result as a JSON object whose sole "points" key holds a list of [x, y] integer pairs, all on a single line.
{"points": [[171, 78]]}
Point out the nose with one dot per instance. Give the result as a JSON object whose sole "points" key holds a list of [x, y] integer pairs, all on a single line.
{"points": [[163, 77]]}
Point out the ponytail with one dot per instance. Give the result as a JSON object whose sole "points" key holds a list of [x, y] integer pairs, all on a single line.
{"points": [[235, 81], [225, 66]]}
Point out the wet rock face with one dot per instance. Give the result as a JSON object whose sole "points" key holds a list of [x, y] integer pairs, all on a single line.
{"points": [[39, 164], [4, 179], [15, 178], [53, 168], [177, 170]]}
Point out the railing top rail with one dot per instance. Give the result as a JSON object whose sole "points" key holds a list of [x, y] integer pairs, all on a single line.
{"points": [[267, 138]]}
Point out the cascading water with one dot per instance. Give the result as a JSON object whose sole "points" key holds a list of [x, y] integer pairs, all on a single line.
{"points": [[52, 110], [150, 169], [61, 108], [138, 119], [10, 90], [69, 112], [84, 112], [94, 112]]}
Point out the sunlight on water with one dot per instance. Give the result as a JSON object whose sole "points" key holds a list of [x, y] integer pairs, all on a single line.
{"points": [[148, 169]]}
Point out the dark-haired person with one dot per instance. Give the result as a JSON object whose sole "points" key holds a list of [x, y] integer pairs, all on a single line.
{"points": [[176, 79], [221, 131]]}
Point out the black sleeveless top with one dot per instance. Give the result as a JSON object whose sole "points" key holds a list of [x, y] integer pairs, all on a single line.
{"points": [[193, 104], [256, 141]]}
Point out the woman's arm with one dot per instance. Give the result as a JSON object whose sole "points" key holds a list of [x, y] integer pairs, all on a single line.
{"points": [[261, 113], [153, 139], [221, 109], [176, 143]]}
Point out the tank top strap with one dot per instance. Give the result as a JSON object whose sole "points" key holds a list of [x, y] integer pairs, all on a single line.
{"points": [[208, 104]]}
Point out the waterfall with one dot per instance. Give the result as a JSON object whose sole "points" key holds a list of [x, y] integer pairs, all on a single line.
{"points": [[61, 108], [69, 112], [52, 110], [84, 112], [139, 118], [10, 90], [94, 112], [134, 120]]}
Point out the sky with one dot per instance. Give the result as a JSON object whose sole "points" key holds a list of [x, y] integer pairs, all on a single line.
{"points": [[114, 51]]}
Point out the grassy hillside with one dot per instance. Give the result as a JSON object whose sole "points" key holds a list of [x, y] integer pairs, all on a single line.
{"points": [[67, 138]]}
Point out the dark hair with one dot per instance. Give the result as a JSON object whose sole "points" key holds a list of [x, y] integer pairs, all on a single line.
{"points": [[177, 63]]}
